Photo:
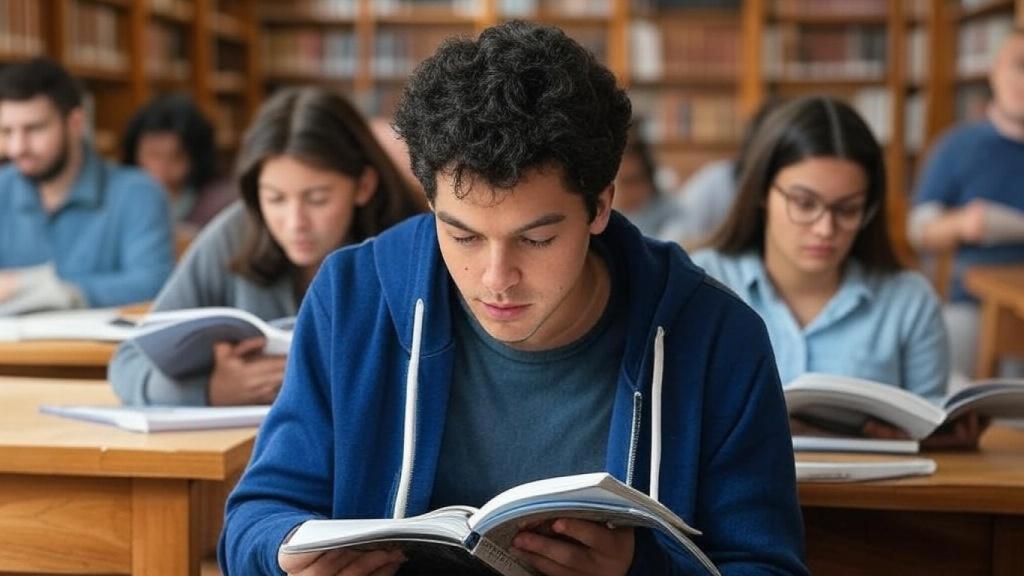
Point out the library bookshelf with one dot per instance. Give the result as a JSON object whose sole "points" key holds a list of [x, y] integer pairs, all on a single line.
{"points": [[127, 51], [694, 74], [913, 68], [681, 66]]}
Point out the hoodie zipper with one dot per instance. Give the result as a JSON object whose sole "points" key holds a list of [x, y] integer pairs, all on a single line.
{"points": [[634, 436]]}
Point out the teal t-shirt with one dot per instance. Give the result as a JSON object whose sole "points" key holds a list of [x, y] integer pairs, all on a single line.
{"points": [[515, 416]]}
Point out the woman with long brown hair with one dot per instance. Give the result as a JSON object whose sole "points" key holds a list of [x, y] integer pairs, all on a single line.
{"points": [[312, 179], [807, 246]]}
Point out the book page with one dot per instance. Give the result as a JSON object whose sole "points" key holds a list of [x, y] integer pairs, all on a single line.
{"points": [[995, 398], [446, 526]]}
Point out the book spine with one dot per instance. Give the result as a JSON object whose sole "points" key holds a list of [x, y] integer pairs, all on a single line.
{"points": [[496, 557]]}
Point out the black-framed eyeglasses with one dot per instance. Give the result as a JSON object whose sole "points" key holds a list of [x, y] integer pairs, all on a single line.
{"points": [[806, 207]]}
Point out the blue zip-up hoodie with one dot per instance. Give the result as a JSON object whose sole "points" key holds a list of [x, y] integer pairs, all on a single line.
{"points": [[356, 430]]}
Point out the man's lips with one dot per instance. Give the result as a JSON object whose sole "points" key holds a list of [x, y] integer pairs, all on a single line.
{"points": [[504, 311]]}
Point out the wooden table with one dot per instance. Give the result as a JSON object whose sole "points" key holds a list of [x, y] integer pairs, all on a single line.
{"points": [[77, 359], [966, 519], [1001, 333], [56, 358], [81, 498]]}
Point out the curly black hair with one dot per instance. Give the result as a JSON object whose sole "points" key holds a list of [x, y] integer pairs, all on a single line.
{"points": [[177, 114], [518, 98]]}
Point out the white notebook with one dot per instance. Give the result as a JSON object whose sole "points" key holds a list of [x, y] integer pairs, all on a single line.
{"points": [[164, 418], [863, 471]]}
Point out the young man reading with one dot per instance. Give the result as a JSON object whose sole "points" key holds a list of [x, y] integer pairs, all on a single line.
{"points": [[522, 331], [75, 231]]}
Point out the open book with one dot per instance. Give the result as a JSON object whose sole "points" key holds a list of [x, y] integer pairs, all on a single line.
{"points": [[464, 540], [164, 418], [100, 324], [844, 404], [180, 342]]}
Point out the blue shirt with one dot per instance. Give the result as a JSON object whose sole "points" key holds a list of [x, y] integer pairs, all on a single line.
{"points": [[111, 238], [976, 162], [882, 327], [565, 393]]}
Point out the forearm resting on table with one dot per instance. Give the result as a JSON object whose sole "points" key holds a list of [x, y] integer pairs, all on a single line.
{"points": [[934, 227]]}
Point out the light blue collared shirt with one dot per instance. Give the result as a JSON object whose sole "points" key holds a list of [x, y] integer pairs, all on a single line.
{"points": [[882, 327], [111, 238]]}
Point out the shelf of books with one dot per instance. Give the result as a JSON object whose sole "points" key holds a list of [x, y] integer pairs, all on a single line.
{"points": [[127, 51], [683, 80], [93, 40], [21, 30], [231, 86], [680, 65], [170, 36], [980, 27]]}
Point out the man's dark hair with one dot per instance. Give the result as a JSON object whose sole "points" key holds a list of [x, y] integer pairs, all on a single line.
{"points": [[518, 98], [40, 77], [175, 114]]}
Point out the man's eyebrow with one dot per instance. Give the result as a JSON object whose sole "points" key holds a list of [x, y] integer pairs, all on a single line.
{"points": [[453, 221], [545, 220]]}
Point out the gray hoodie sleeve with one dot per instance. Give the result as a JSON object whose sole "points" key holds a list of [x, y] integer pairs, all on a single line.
{"points": [[200, 279]]}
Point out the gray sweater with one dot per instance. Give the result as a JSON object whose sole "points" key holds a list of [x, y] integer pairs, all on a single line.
{"points": [[202, 278]]}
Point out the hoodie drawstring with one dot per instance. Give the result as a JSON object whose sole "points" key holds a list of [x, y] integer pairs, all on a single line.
{"points": [[409, 434], [659, 367]]}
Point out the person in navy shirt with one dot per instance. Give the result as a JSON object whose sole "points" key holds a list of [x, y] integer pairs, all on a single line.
{"points": [[75, 231], [970, 199], [523, 330]]}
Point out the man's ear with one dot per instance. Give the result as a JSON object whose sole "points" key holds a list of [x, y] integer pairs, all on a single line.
{"points": [[602, 210], [75, 122]]}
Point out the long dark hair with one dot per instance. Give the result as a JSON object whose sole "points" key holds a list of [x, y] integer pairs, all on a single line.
{"points": [[322, 129], [179, 115], [814, 126]]}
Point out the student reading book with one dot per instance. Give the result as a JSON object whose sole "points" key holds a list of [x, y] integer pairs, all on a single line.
{"points": [[807, 246], [845, 405], [180, 343], [312, 178], [464, 539], [522, 331], [76, 231]]}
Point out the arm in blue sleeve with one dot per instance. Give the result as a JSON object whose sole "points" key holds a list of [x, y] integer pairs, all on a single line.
{"points": [[289, 479], [925, 366], [146, 251], [746, 502], [747, 505], [938, 181]]}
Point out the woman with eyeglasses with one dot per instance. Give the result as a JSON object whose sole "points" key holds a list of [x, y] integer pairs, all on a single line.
{"points": [[807, 246]]}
